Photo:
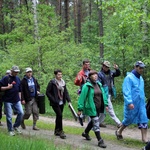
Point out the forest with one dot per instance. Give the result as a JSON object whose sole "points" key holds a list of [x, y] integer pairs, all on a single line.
{"points": [[50, 34]]}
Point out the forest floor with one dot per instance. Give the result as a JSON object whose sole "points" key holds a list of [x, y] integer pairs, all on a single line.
{"points": [[78, 142]]}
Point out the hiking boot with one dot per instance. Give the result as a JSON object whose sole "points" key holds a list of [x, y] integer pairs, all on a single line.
{"points": [[1, 124], [62, 135], [86, 135], [102, 144], [23, 125], [102, 125], [35, 128], [17, 130], [11, 133], [57, 133]]}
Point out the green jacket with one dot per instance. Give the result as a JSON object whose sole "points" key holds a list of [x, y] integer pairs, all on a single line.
{"points": [[86, 101]]}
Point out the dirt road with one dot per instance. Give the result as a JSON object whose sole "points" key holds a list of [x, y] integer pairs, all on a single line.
{"points": [[78, 142]]}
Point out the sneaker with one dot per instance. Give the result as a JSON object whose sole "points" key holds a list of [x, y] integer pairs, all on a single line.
{"points": [[143, 148], [17, 130], [86, 135], [62, 135], [35, 128], [101, 143], [11, 133], [23, 125]]}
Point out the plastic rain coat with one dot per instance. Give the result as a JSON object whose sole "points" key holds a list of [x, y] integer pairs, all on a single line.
{"points": [[133, 92]]}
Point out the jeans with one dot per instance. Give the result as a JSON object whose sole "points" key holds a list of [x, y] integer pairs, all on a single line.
{"points": [[19, 111]]}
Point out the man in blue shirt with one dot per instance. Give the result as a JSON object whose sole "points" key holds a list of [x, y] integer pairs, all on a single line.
{"points": [[11, 86]]}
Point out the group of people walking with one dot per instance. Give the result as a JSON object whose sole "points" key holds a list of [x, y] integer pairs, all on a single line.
{"points": [[16, 93], [95, 99], [97, 89]]}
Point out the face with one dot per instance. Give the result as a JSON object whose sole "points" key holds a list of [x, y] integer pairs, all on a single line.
{"points": [[139, 69], [86, 66], [58, 75], [29, 74], [13, 73], [105, 68], [94, 77]]}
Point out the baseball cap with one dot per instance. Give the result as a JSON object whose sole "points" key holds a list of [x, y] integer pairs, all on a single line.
{"points": [[8, 71], [140, 64], [15, 69], [28, 69], [107, 64]]}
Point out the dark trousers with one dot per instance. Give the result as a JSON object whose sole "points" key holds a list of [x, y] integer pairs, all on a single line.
{"points": [[58, 109], [147, 147], [1, 105]]}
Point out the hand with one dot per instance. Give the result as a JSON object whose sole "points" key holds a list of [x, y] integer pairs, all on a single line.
{"points": [[69, 103], [79, 113], [23, 102], [10, 86], [106, 108], [131, 106], [79, 77], [116, 66], [38, 92]]}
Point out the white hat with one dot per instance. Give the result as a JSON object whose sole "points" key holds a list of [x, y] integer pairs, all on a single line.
{"points": [[8, 71], [28, 69]]}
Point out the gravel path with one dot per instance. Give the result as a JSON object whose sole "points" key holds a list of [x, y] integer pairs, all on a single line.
{"points": [[78, 142]]}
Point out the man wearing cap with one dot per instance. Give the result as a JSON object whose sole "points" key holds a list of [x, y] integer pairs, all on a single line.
{"points": [[134, 102], [29, 93], [11, 85], [106, 77]]}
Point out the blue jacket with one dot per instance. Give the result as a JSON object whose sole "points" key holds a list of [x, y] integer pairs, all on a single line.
{"points": [[102, 79], [133, 93]]}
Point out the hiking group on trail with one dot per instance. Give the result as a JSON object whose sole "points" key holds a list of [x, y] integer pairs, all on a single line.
{"points": [[96, 90]]}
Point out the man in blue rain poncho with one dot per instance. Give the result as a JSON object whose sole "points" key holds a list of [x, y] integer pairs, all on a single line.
{"points": [[134, 102]]}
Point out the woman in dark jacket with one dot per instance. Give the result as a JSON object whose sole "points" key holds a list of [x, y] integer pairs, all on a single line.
{"points": [[57, 94]]}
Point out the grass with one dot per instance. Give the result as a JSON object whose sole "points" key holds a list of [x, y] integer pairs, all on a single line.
{"points": [[32, 142]]}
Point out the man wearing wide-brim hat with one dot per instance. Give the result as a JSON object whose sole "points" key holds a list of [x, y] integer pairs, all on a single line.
{"points": [[106, 77]]}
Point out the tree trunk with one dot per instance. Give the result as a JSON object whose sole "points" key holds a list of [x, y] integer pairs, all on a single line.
{"points": [[100, 15], [79, 19], [66, 2], [90, 17], [36, 32], [145, 28], [2, 26], [59, 13], [75, 21]]}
